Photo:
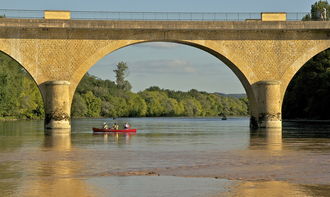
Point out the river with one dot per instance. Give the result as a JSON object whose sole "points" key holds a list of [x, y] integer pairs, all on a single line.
{"points": [[167, 157]]}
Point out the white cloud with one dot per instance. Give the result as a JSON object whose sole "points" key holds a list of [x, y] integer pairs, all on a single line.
{"points": [[162, 67]]}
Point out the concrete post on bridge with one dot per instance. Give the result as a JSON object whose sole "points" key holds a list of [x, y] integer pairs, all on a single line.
{"points": [[269, 104], [57, 107]]}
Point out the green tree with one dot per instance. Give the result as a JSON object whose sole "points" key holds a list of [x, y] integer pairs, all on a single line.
{"points": [[79, 107], [154, 100], [93, 104], [192, 107], [117, 107], [19, 95], [121, 73], [317, 9], [308, 93], [136, 105], [31, 105]]}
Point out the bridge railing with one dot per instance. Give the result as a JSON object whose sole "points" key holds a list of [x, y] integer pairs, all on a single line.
{"points": [[150, 16], [10, 13], [166, 16]]}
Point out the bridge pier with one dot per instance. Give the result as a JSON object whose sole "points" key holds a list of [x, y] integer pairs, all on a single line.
{"points": [[57, 107], [269, 104]]}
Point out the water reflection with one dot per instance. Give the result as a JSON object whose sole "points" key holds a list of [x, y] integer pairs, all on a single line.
{"points": [[58, 142], [66, 131], [55, 174], [269, 188], [116, 138], [260, 162], [268, 138], [9, 172]]}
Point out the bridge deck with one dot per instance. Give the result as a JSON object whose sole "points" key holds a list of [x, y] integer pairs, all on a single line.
{"points": [[165, 25]]}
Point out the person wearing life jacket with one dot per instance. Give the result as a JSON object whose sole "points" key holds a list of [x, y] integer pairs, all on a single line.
{"points": [[127, 126], [105, 125], [115, 126]]}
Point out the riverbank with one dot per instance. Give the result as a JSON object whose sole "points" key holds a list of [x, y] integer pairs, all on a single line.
{"points": [[306, 121], [8, 119]]}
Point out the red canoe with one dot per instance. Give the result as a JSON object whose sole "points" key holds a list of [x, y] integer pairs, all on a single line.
{"points": [[113, 130]]}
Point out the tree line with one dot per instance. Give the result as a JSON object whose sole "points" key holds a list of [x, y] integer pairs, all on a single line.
{"points": [[94, 97], [308, 94]]}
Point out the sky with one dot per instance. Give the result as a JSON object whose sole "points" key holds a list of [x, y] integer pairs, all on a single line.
{"points": [[167, 65]]}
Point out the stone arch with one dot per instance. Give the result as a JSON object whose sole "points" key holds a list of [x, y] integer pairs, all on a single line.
{"points": [[299, 63], [116, 45], [28, 71], [26, 62], [23, 65], [23, 60]]}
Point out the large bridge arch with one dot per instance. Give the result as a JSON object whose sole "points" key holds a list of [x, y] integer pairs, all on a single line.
{"points": [[295, 70], [210, 48], [300, 62]]}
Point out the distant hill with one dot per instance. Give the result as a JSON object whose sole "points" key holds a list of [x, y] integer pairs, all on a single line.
{"points": [[231, 95]]}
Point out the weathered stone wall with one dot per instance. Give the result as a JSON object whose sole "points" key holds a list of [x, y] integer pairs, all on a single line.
{"points": [[58, 50]]}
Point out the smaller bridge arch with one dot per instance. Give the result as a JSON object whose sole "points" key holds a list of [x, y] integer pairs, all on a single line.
{"points": [[25, 82]]}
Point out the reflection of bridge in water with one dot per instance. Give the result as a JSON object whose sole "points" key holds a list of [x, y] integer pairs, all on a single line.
{"points": [[264, 53], [56, 175], [60, 167]]}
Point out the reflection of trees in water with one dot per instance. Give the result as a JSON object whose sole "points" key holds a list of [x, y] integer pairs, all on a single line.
{"points": [[9, 174], [295, 136], [306, 129], [13, 133], [12, 139]]}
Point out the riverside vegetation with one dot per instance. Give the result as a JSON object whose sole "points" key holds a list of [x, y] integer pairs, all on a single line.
{"points": [[94, 97], [308, 94]]}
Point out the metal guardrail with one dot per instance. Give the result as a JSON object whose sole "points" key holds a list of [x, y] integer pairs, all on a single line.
{"points": [[149, 16], [21, 13], [166, 16]]}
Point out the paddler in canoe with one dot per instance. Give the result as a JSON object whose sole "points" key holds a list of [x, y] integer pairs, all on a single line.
{"points": [[105, 126], [127, 126], [115, 126]]}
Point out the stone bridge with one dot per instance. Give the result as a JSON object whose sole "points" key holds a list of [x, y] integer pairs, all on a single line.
{"points": [[264, 55]]}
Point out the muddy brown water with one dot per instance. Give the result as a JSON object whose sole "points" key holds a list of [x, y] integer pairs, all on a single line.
{"points": [[166, 157]]}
